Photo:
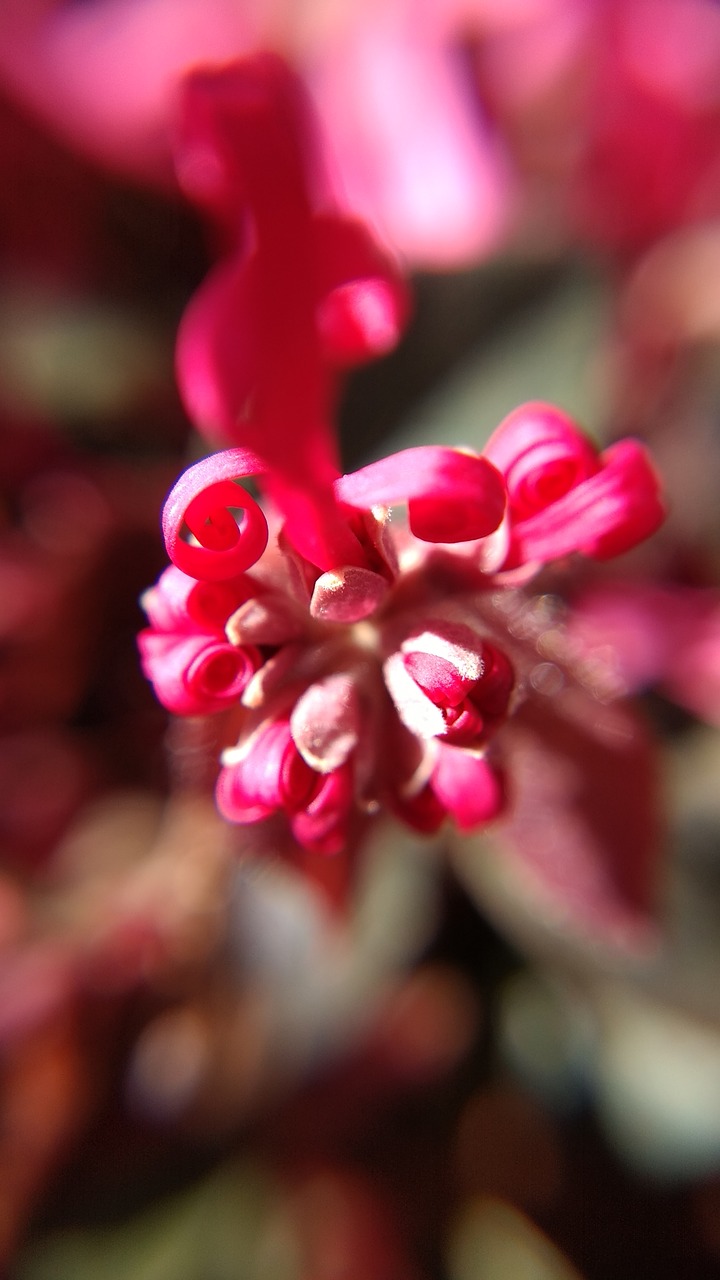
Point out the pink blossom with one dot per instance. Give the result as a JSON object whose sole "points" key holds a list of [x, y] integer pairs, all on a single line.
{"points": [[376, 665]]}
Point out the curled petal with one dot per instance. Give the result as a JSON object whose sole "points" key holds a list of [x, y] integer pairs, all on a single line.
{"points": [[241, 124], [446, 660], [215, 355], [541, 455], [631, 507], [264, 774], [563, 496], [180, 603], [603, 516], [203, 500], [422, 811], [448, 683], [359, 321], [415, 708], [195, 674], [250, 357], [452, 496]]}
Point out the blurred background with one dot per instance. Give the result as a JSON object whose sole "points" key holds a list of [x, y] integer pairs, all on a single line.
{"points": [[482, 1059]]}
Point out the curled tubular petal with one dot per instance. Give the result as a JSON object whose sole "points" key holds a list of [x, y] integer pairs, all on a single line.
{"points": [[633, 494], [266, 774], [542, 455], [204, 499], [603, 516], [178, 602], [452, 496], [563, 496], [195, 674], [215, 355]]}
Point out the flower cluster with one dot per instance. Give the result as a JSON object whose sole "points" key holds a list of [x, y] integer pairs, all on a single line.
{"points": [[362, 664]]}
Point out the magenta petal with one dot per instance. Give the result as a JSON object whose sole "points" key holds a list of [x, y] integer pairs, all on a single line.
{"points": [[542, 455], [439, 679], [446, 659], [178, 602], [203, 500], [322, 826], [563, 497], [603, 516], [359, 321], [263, 774], [195, 674], [233, 801], [633, 489], [452, 496], [422, 810], [166, 604], [251, 125], [364, 301], [432, 672], [471, 790], [215, 359]]}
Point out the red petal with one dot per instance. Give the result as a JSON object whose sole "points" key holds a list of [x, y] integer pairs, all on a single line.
{"points": [[452, 496], [203, 500], [178, 602], [195, 674], [264, 774], [542, 455], [603, 516]]}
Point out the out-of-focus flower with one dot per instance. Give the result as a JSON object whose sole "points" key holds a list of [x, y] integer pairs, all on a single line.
{"points": [[609, 110], [373, 664], [407, 146], [650, 161], [655, 635]]}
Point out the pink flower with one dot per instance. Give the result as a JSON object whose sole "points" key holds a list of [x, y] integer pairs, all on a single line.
{"points": [[376, 665]]}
